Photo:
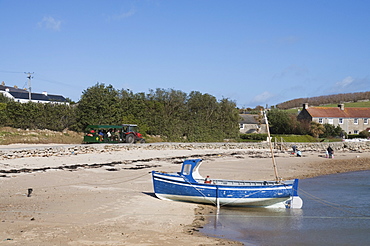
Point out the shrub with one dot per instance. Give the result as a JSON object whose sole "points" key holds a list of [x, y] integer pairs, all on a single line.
{"points": [[253, 137], [364, 134]]}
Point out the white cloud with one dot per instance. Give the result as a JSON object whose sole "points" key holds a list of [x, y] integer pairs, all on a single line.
{"points": [[263, 97], [349, 85], [49, 22], [345, 82], [123, 15]]}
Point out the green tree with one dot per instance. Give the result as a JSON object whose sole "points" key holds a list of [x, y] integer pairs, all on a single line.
{"points": [[201, 122], [172, 112], [364, 134], [21, 115], [133, 109], [316, 129], [331, 131], [39, 116], [4, 99], [57, 117], [3, 114], [279, 121], [99, 105], [228, 120]]}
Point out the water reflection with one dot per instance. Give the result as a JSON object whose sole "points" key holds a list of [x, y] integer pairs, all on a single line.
{"points": [[336, 211], [252, 223]]}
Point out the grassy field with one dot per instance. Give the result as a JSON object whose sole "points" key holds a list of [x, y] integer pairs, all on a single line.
{"points": [[10, 135], [365, 104], [294, 138]]}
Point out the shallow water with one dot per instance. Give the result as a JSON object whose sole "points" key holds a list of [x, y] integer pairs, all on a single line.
{"points": [[336, 211]]}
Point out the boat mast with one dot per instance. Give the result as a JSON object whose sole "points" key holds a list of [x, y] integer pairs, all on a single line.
{"points": [[272, 152]]}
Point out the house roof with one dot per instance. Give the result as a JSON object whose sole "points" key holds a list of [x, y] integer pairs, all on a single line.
{"points": [[334, 112], [250, 119], [38, 96], [23, 94], [4, 88]]}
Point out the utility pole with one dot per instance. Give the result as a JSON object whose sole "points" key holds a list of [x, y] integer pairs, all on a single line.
{"points": [[29, 84]]}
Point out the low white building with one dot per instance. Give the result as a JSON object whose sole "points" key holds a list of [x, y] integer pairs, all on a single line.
{"points": [[23, 96]]}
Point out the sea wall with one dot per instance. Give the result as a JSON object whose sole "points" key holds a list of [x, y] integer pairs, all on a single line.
{"points": [[65, 150]]}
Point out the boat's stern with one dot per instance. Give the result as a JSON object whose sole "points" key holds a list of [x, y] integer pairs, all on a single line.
{"points": [[295, 201]]}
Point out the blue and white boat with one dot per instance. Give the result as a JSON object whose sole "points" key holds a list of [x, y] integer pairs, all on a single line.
{"points": [[189, 186]]}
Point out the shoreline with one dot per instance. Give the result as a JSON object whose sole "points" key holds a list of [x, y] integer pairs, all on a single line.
{"points": [[105, 197]]}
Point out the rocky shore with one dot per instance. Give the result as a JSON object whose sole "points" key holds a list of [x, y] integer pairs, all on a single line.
{"points": [[23, 151]]}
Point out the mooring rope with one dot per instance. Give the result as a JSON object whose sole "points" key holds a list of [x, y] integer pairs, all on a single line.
{"points": [[85, 183], [332, 204], [198, 190]]}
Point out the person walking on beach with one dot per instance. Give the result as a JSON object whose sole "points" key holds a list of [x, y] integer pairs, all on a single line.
{"points": [[330, 152]]}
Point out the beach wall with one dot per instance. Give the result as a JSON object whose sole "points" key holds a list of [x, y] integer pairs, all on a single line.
{"points": [[66, 150]]}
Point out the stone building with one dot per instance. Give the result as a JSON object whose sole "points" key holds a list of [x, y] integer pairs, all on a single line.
{"points": [[251, 123], [351, 120]]}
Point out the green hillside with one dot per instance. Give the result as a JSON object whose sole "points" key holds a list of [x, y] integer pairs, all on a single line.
{"points": [[364, 104]]}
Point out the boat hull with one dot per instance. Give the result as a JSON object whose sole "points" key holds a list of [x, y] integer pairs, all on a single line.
{"points": [[224, 193]]}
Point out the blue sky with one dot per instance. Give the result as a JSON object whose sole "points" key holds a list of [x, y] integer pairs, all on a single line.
{"points": [[252, 52]]}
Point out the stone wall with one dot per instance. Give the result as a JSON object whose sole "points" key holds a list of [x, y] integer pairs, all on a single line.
{"points": [[99, 148]]}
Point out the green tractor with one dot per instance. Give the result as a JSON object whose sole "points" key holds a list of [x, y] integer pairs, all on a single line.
{"points": [[126, 133]]}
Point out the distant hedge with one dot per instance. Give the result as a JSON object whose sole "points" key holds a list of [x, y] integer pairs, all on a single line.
{"points": [[253, 137], [173, 115]]}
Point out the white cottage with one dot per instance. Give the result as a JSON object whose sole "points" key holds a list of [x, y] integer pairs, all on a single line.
{"points": [[23, 96]]}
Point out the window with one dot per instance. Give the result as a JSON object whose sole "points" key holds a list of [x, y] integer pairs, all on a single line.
{"points": [[355, 121], [241, 126], [320, 120], [340, 120], [187, 169], [366, 121], [355, 132], [330, 121]]}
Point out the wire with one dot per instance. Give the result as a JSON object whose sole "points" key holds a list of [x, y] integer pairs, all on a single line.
{"points": [[54, 81], [2, 71]]}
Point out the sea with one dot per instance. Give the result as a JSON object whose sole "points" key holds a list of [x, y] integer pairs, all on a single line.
{"points": [[336, 211]]}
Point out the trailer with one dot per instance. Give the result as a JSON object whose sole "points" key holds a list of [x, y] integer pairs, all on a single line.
{"points": [[125, 133]]}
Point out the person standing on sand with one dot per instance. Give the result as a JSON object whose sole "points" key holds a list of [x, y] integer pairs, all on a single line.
{"points": [[330, 152]]}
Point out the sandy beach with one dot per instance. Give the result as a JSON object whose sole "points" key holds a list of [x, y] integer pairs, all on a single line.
{"points": [[106, 197]]}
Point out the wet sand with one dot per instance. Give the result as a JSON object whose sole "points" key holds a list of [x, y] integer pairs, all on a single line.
{"points": [[107, 198]]}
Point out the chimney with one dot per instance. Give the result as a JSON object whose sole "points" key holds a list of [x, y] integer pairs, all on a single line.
{"points": [[305, 106], [45, 93], [341, 106]]}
